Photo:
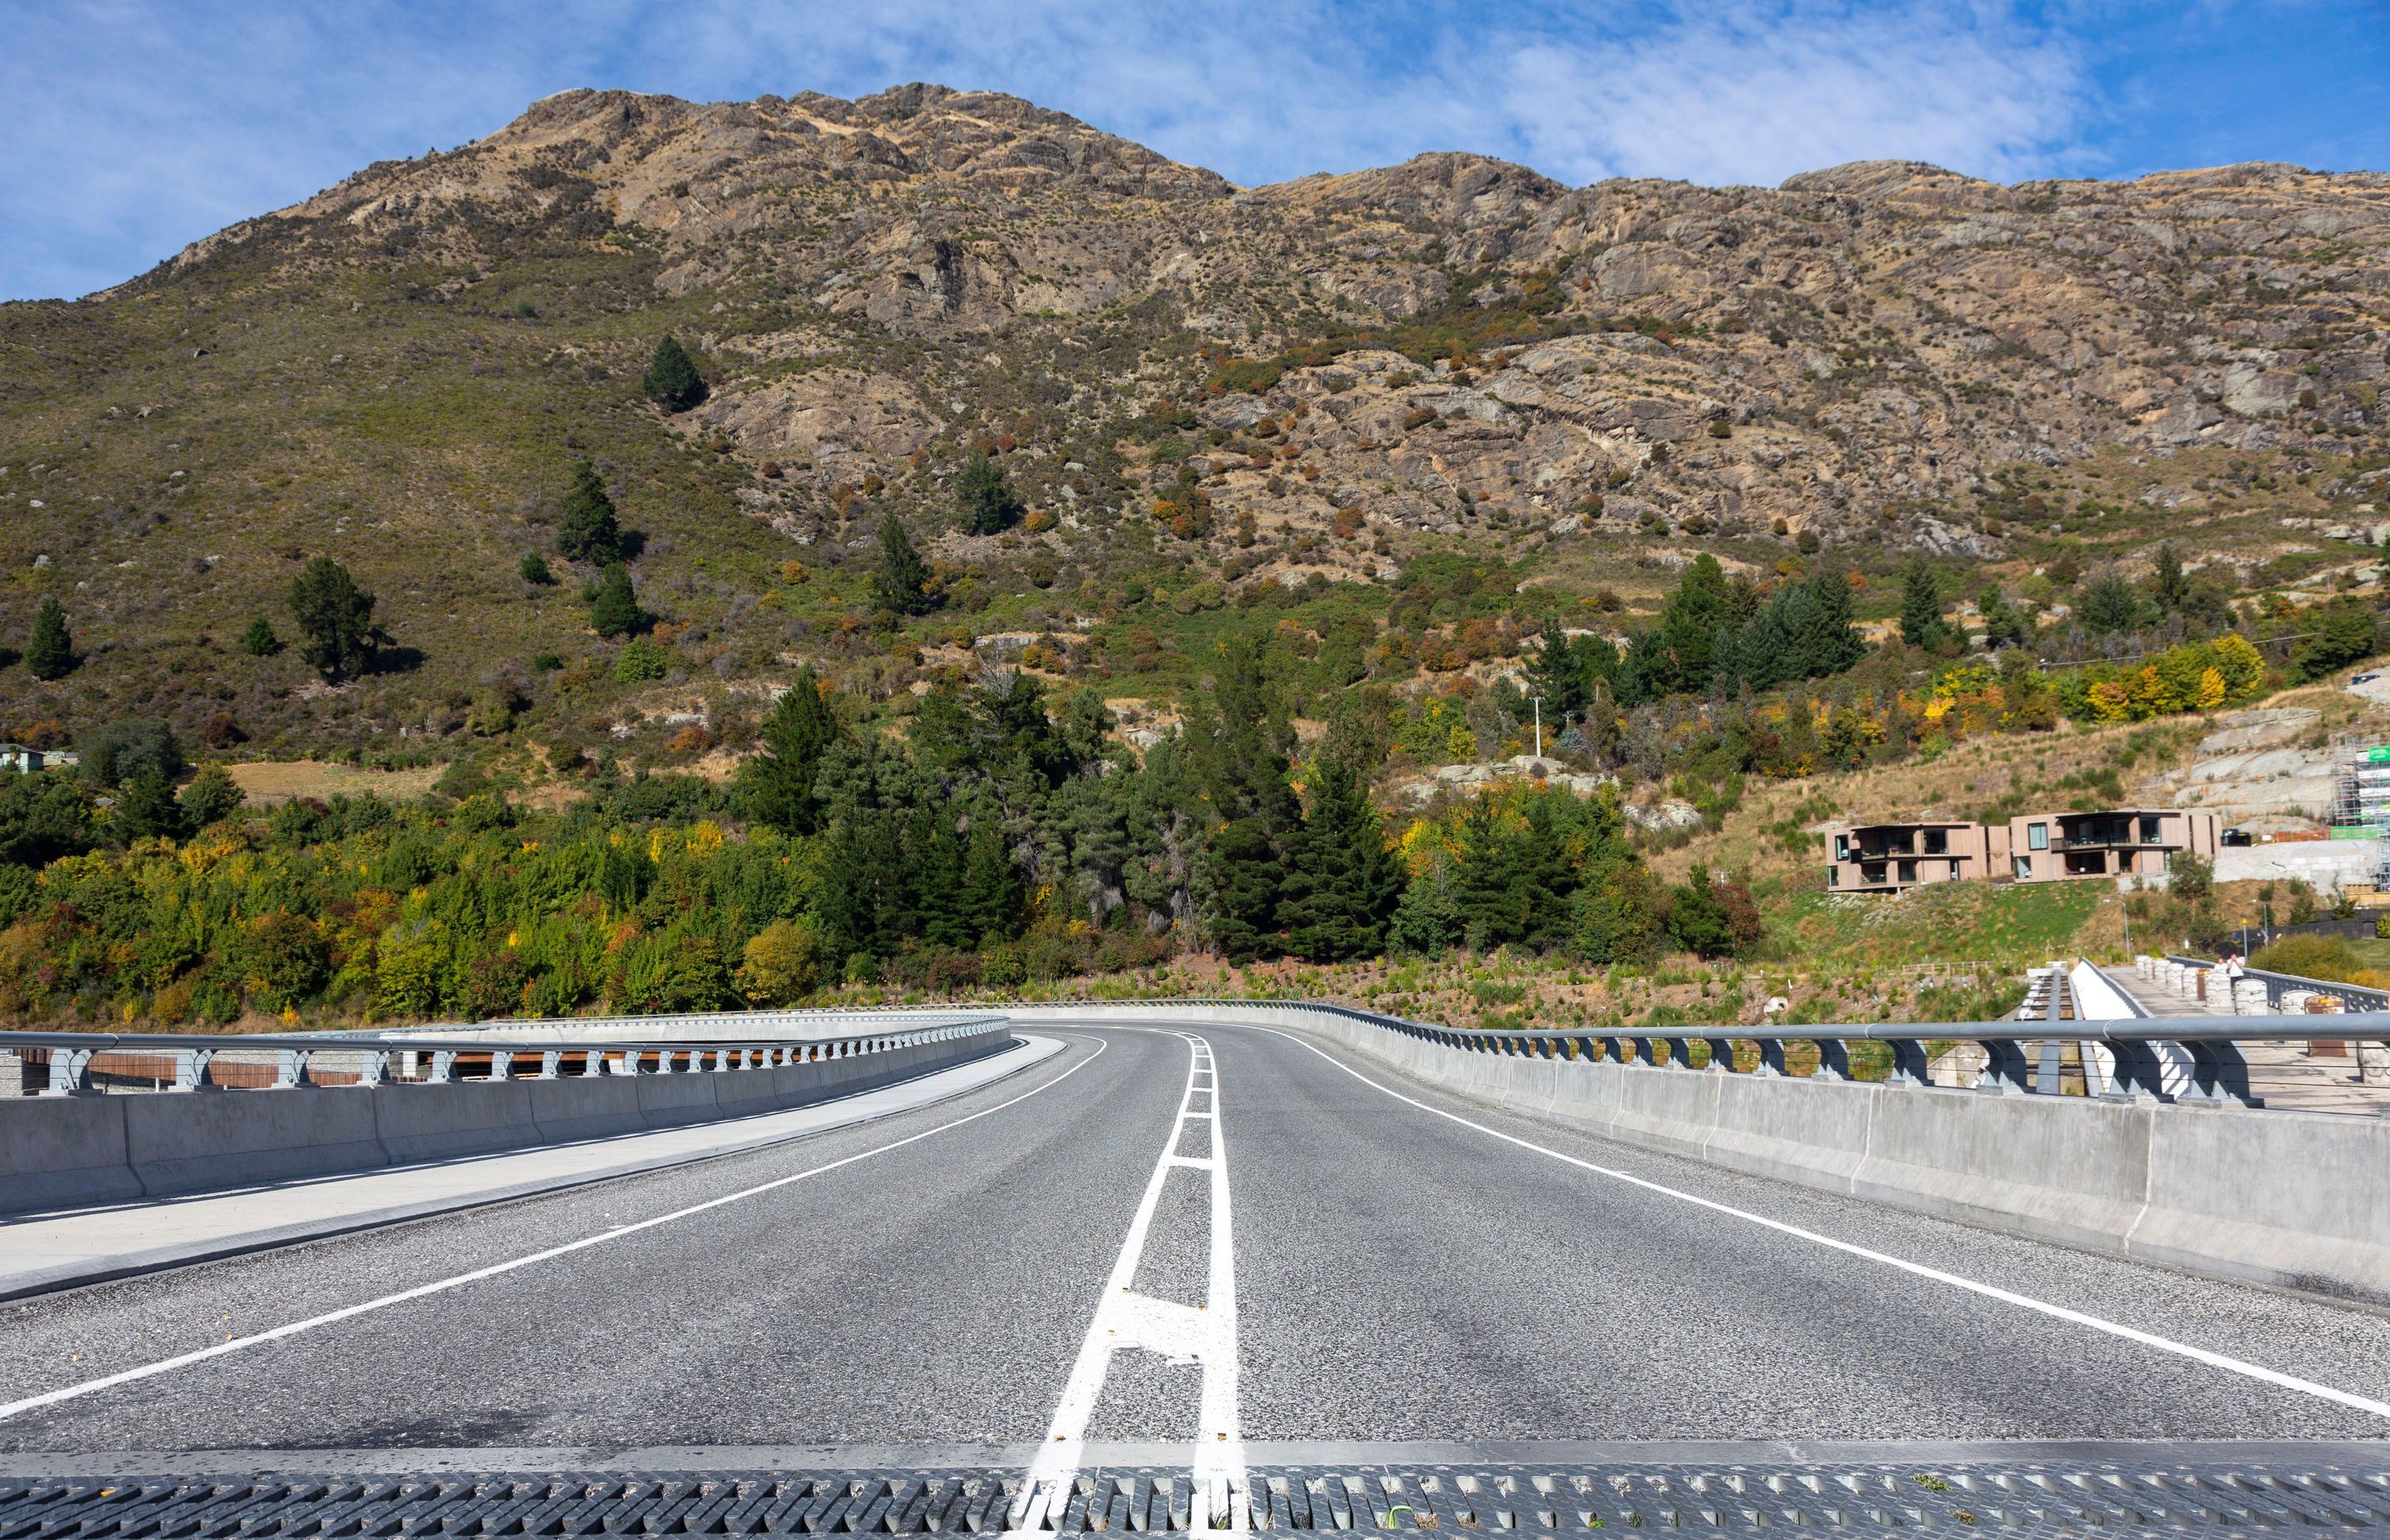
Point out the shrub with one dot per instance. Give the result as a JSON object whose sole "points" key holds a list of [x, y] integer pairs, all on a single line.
{"points": [[782, 963], [643, 660], [212, 796], [533, 570], [122, 750], [990, 506], [258, 640], [2310, 957]]}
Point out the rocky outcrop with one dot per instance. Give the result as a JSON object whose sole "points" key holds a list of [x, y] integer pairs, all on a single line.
{"points": [[1856, 354]]}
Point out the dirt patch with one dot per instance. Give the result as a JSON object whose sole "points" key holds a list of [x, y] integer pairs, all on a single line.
{"points": [[271, 783]]}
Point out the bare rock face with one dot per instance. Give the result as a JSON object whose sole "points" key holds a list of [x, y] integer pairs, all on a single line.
{"points": [[1454, 344]]}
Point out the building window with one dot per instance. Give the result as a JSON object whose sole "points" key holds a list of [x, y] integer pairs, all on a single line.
{"points": [[1937, 841], [1909, 871], [2024, 867], [2150, 828], [1833, 877], [1841, 847], [2036, 836]]}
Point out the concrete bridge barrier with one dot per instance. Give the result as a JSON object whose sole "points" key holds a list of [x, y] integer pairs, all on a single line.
{"points": [[67, 1150], [2294, 1200]]}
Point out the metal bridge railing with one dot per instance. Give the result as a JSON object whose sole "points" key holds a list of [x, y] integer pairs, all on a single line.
{"points": [[2181, 1058], [80, 1063]]}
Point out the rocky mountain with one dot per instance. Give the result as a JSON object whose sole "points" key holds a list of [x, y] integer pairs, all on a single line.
{"points": [[1327, 376]]}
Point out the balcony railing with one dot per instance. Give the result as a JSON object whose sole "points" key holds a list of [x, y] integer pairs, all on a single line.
{"points": [[2129, 841]]}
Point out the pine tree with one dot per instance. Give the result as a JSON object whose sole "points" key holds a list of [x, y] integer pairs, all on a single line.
{"points": [[533, 569], [1557, 674], [588, 530], [1697, 920], [902, 581], [211, 795], [1487, 887], [777, 784], [1696, 613], [258, 640], [992, 895], [49, 653], [613, 607], [2167, 584], [990, 504], [1920, 608], [146, 807], [672, 380], [1246, 875], [1351, 883], [1829, 643], [335, 619]]}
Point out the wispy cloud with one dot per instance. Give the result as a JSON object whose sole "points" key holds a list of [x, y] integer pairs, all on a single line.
{"points": [[1754, 93], [139, 125]]}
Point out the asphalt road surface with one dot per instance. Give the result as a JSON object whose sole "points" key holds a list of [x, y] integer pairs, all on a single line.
{"points": [[1079, 1252]]}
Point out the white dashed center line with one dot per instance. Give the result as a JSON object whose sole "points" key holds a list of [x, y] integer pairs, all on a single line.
{"points": [[1205, 1334]]}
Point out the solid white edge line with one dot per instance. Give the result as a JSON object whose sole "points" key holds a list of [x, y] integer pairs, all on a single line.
{"points": [[219, 1349], [2024, 1301]]}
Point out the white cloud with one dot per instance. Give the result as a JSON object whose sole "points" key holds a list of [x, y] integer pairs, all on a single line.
{"points": [[139, 125], [1752, 96]]}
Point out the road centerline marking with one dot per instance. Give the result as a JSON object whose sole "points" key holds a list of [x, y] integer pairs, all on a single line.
{"points": [[1181, 1333], [1988, 1290], [292, 1328]]}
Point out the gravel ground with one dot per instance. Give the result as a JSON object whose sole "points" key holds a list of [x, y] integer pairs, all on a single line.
{"points": [[1400, 1277]]}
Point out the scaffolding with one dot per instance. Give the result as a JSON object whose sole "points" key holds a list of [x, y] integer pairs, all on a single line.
{"points": [[2361, 788], [2360, 797]]}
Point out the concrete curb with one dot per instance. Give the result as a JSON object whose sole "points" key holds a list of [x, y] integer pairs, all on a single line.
{"points": [[1002, 1063]]}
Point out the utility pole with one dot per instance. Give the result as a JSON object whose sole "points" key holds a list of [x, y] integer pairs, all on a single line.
{"points": [[1539, 727]]}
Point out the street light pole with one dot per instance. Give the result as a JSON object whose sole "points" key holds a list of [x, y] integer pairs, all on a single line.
{"points": [[1539, 727]]}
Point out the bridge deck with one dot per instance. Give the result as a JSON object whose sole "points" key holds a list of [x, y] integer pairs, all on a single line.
{"points": [[2291, 1077]]}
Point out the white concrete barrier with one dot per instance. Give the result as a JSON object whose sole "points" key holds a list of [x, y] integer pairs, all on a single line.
{"points": [[2284, 1198], [61, 1152]]}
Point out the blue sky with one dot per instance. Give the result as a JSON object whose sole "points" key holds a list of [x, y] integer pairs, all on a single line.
{"points": [[134, 127]]}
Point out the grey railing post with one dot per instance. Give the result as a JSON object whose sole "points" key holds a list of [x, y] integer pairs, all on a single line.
{"points": [[1614, 1049], [502, 1064], [2050, 1073], [373, 1067], [2004, 1068], [2219, 1074], [551, 1064], [444, 1067], [1833, 1059], [2139, 1074], [1910, 1064], [289, 1067], [69, 1073], [1722, 1054], [191, 1069], [1771, 1056]]}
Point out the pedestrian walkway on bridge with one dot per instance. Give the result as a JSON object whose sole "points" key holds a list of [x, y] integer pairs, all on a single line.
{"points": [[2291, 1076]]}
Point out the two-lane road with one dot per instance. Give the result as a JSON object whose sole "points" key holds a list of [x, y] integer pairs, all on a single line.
{"points": [[1401, 1266]]}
